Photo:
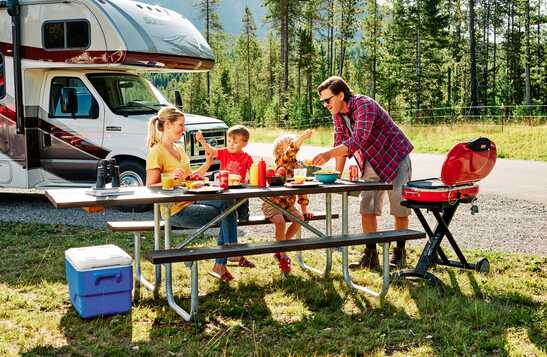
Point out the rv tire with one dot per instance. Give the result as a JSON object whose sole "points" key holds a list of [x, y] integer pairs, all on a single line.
{"points": [[132, 173]]}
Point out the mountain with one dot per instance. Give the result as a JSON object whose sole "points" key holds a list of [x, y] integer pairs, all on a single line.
{"points": [[230, 12]]}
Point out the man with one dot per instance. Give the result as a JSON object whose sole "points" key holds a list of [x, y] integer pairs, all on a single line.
{"points": [[364, 130]]}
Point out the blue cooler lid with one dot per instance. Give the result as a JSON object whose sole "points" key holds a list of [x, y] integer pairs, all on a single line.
{"points": [[98, 256]]}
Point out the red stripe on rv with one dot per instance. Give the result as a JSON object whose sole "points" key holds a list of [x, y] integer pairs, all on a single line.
{"points": [[65, 136], [130, 58]]}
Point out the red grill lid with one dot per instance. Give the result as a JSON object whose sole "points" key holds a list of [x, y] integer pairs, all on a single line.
{"points": [[469, 162]]}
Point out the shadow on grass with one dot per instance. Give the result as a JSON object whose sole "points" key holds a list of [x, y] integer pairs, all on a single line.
{"points": [[456, 323]]}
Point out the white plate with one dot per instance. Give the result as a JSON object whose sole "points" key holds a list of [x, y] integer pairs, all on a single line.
{"points": [[205, 189], [304, 184]]}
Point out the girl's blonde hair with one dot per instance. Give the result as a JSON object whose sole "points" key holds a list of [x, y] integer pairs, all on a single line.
{"points": [[281, 143], [157, 122]]}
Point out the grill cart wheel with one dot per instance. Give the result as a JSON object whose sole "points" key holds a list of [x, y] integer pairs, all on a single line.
{"points": [[482, 265]]}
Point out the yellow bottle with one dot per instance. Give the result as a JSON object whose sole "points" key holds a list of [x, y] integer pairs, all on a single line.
{"points": [[253, 179]]}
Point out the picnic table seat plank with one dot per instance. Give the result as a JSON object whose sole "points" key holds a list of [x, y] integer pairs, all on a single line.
{"points": [[233, 250], [148, 226]]}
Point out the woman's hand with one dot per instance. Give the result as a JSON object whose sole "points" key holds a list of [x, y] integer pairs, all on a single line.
{"points": [[178, 174], [321, 159]]}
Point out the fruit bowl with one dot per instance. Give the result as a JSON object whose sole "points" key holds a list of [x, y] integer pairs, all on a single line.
{"points": [[326, 177], [276, 180]]}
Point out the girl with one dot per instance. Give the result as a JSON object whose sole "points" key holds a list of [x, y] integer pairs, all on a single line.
{"points": [[285, 149]]}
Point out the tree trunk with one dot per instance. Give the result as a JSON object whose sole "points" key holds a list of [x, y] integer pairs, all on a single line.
{"points": [[374, 51], [331, 35], [418, 63], [473, 59], [207, 21], [528, 58]]}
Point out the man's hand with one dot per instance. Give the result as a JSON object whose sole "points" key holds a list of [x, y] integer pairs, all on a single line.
{"points": [[321, 159]]}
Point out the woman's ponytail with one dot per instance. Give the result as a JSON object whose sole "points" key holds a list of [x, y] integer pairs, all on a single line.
{"points": [[153, 132]]}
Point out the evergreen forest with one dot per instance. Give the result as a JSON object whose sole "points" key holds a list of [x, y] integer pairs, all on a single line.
{"points": [[425, 61]]}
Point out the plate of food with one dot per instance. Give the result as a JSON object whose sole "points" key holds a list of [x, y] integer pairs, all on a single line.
{"points": [[205, 189], [302, 184]]}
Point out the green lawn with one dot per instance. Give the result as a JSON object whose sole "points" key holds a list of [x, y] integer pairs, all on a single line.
{"points": [[512, 141], [503, 313]]}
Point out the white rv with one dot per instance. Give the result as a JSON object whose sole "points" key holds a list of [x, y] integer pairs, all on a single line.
{"points": [[71, 90]]}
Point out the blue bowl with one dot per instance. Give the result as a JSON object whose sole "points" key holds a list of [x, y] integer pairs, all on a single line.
{"points": [[326, 178]]}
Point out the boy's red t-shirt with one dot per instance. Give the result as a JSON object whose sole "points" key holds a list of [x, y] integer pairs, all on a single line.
{"points": [[235, 163]]}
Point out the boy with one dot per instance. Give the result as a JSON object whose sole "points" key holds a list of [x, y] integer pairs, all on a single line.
{"points": [[233, 159]]}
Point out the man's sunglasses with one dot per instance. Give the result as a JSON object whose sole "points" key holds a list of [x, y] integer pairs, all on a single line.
{"points": [[326, 101]]}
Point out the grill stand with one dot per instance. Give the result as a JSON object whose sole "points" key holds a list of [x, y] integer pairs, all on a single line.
{"points": [[432, 252]]}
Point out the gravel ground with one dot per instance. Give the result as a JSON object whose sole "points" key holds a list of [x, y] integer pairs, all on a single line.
{"points": [[502, 224]]}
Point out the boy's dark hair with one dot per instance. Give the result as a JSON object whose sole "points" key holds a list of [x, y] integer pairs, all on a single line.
{"points": [[239, 130], [336, 85]]}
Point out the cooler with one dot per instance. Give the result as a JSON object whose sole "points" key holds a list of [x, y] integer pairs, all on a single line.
{"points": [[100, 280]]}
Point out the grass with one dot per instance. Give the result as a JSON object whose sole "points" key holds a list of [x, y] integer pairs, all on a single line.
{"points": [[512, 141], [503, 313]]}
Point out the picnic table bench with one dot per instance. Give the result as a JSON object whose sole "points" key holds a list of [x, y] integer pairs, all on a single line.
{"points": [[65, 198]]}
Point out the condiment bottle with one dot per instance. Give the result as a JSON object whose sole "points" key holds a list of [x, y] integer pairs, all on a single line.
{"points": [[253, 176], [261, 173]]}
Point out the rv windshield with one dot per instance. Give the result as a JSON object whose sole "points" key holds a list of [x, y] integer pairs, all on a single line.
{"points": [[127, 94]]}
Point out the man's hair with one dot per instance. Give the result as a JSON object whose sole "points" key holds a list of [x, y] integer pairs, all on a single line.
{"points": [[336, 85], [239, 130]]}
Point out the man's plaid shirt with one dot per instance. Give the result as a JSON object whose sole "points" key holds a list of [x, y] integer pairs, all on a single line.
{"points": [[374, 138]]}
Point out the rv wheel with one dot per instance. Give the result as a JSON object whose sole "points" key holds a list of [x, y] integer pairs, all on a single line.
{"points": [[132, 174]]}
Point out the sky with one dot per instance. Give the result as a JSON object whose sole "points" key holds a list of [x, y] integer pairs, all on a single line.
{"points": [[230, 12]]}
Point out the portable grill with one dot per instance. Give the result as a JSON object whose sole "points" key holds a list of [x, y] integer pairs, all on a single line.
{"points": [[464, 166]]}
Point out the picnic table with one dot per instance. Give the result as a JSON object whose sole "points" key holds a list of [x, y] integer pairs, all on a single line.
{"points": [[162, 201]]}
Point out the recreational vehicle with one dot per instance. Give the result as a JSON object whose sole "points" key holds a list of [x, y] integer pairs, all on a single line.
{"points": [[72, 90]]}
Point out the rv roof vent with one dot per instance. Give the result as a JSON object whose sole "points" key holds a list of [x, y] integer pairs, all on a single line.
{"points": [[139, 6]]}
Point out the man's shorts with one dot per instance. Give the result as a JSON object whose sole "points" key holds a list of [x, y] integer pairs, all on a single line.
{"points": [[373, 201]]}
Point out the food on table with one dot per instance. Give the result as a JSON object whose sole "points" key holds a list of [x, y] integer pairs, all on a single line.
{"points": [[299, 179], [196, 184], [326, 171], [270, 172], [234, 180], [308, 163], [281, 171], [195, 177]]}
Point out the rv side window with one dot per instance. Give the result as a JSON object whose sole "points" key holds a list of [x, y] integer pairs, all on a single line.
{"points": [[2, 77], [87, 105], [72, 34]]}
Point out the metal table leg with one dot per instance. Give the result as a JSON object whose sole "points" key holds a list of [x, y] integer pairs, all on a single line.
{"points": [[168, 275], [328, 251], [345, 259], [137, 247]]}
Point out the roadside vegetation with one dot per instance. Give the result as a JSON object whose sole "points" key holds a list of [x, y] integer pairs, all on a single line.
{"points": [[512, 141], [264, 313]]}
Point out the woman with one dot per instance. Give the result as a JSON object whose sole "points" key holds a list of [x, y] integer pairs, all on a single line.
{"points": [[166, 156]]}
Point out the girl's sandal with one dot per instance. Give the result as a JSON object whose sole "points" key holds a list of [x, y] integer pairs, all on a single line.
{"points": [[245, 263], [225, 277]]}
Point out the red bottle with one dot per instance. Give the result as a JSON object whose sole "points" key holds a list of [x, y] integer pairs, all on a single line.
{"points": [[261, 173]]}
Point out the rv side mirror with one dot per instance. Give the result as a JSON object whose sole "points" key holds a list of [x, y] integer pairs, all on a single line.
{"points": [[69, 100], [178, 99]]}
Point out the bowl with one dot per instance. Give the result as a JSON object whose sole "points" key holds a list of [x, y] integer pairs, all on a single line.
{"points": [[276, 180], [326, 178]]}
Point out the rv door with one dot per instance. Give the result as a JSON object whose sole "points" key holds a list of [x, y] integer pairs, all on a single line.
{"points": [[72, 121]]}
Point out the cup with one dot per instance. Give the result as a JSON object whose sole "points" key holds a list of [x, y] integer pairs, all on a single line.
{"points": [[167, 181], [300, 172]]}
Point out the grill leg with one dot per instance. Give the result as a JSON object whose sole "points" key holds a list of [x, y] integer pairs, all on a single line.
{"points": [[431, 249]]}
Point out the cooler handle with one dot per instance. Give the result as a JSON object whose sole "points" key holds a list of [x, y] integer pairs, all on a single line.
{"points": [[103, 276]]}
